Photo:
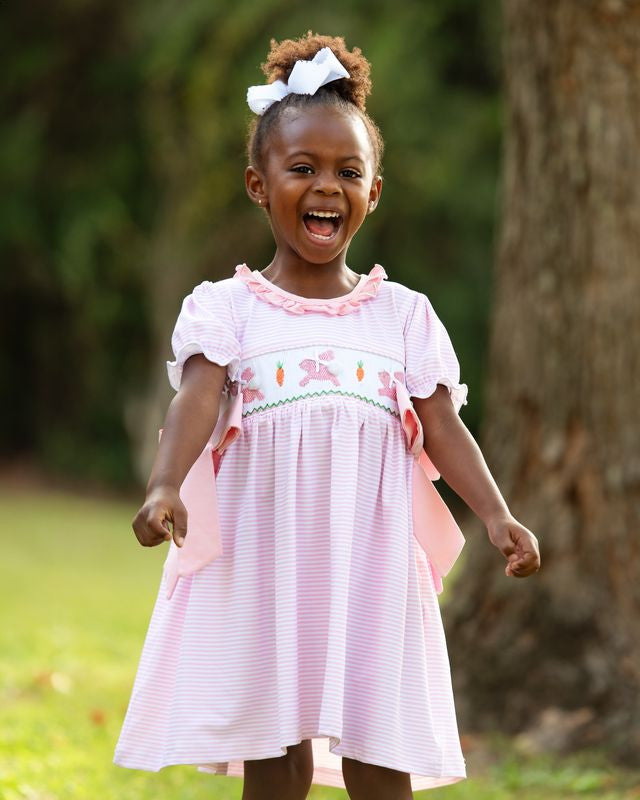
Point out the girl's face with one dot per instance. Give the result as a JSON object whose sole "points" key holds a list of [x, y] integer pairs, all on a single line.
{"points": [[317, 159]]}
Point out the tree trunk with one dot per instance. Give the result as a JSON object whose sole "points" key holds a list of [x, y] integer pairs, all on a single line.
{"points": [[561, 432]]}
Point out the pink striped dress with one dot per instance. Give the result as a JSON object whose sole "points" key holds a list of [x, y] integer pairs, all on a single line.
{"points": [[316, 614]]}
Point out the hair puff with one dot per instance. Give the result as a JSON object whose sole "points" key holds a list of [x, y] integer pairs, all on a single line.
{"points": [[283, 56], [348, 94]]}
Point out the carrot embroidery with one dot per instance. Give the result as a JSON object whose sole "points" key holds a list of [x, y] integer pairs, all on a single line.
{"points": [[360, 371], [280, 374]]}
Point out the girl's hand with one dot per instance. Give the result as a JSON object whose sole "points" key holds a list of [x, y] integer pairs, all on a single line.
{"points": [[517, 544], [151, 524]]}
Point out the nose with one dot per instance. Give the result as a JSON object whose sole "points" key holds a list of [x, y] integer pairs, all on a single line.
{"points": [[327, 183]]}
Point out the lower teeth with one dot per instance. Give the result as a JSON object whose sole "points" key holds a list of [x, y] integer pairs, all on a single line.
{"points": [[321, 236]]}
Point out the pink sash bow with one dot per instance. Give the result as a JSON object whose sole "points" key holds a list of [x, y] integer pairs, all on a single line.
{"points": [[203, 543], [433, 524]]}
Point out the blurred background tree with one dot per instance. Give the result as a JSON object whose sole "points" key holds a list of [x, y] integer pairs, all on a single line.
{"points": [[123, 151], [556, 658]]}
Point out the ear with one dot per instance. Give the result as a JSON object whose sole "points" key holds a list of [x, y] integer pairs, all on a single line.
{"points": [[256, 186], [374, 193]]}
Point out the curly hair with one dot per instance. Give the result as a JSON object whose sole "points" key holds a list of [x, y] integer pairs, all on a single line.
{"points": [[345, 94]]}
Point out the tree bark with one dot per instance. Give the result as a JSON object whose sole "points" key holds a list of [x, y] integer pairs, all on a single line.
{"points": [[561, 432]]}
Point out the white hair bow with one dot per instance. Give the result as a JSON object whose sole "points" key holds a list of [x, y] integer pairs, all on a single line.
{"points": [[306, 78]]}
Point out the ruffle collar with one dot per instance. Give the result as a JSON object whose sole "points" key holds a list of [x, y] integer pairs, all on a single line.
{"points": [[367, 287]]}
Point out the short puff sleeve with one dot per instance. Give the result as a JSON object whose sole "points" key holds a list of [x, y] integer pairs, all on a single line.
{"points": [[429, 355], [205, 325]]}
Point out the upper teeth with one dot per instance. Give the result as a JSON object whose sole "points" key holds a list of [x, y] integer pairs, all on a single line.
{"points": [[324, 213]]}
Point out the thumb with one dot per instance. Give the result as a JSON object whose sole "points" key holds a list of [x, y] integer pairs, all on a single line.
{"points": [[179, 524], [505, 542]]}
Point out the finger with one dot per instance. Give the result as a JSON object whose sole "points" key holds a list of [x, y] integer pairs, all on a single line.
{"points": [[510, 548], [528, 559], [525, 561], [179, 524], [522, 546], [521, 542], [515, 572], [521, 569], [158, 525], [526, 555], [165, 525]]}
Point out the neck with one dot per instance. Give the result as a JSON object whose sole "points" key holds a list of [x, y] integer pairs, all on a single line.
{"points": [[293, 274]]}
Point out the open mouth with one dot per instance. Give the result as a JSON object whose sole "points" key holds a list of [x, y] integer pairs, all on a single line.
{"points": [[323, 228]]}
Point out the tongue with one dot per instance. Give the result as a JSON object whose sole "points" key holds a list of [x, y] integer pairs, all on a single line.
{"points": [[323, 227]]}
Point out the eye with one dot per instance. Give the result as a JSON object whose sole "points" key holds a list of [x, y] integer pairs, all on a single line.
{"points": [[353, 172]]}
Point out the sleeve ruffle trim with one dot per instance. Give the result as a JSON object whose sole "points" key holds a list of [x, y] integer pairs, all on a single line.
{"points": [[457, 391], [174, 368]]}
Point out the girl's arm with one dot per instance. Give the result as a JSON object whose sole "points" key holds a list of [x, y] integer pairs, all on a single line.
{"points": [[457, 457], [190, 420]]}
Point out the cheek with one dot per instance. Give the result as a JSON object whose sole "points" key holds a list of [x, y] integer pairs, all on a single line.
{"points": [[361, 211]]}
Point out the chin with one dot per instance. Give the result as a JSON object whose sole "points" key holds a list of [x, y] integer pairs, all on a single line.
{"points": [[323, 258]]}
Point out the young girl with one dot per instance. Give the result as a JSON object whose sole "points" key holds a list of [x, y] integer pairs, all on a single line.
{"points": [[296, 637]]}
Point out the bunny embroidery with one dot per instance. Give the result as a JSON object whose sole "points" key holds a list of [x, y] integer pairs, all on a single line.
{"points": [[322, 367], [388, 380], [249, 386]]}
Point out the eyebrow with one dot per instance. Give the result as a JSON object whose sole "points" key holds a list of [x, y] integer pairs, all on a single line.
{"points": [[311, 155]]}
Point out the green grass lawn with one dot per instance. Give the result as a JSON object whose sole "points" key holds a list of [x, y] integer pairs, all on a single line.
{"points": [[77, 595]]}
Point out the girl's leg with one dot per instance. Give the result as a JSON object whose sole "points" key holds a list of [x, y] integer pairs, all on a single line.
{"points": [[372, 782], [285, 777]]}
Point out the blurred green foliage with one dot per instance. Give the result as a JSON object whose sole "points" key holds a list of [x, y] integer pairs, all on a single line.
{"points": [[122, 151]]}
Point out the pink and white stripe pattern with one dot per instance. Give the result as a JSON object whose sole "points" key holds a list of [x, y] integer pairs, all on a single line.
{"points": [[320, 619]]}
